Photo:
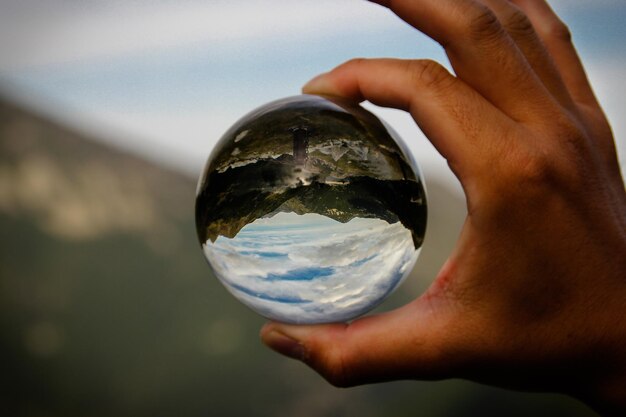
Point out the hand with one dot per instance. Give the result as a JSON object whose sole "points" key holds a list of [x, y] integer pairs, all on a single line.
{"points": [[534, 295]]}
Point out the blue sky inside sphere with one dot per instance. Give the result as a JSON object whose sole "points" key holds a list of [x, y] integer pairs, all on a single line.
{"points": [[167, 78], [310, 268]]}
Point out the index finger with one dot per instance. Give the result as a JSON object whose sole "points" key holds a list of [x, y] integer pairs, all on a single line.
{"points": [[481, 53]]}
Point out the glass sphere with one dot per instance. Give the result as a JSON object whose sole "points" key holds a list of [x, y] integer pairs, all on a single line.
{"points": [[310, 210]]}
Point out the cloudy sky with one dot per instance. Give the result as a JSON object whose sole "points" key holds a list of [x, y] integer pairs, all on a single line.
{"points": [[309, 268], [166, 78]]}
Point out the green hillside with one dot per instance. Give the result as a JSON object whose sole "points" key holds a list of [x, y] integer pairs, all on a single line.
{"points": [[107, 307]]}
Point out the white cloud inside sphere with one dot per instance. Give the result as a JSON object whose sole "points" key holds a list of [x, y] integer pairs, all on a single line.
{"points": [[309, 268]]}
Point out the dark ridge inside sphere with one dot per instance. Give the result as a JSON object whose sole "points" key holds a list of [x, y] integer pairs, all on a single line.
{"points": [[310, 210]]}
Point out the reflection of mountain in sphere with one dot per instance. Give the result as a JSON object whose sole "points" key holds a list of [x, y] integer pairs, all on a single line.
{"points": [[309, 210]]}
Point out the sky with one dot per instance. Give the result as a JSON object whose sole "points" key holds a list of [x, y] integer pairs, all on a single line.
{"points": [[166, 78], [309, 268]]}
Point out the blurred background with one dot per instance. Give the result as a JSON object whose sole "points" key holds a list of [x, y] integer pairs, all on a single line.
{"points": [[108, 110]]}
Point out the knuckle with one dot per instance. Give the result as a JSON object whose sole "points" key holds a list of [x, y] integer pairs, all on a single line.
{"points": [[543, 167], [534, 169], [483, 24], [518, 24], [521, 181], [429, 74], [558, 30], [573, 148], [568, 135], [554, 162], [354, 62], [333, 366], [521, 171]]}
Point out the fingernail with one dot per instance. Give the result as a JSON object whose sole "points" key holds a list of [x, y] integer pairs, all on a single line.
{"points": [[284, 345], [318, 84]]}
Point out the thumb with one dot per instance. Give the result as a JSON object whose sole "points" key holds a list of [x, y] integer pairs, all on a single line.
{"points": [[407, 343]]}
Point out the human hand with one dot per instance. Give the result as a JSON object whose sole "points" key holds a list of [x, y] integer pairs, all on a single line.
{"points": [[534, 295]]}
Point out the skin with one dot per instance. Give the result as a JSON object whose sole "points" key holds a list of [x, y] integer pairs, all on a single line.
{"points": [[533, 297]]}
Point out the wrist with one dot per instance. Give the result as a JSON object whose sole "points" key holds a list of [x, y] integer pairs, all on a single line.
{"points": [[606, 392], [608, 397]]}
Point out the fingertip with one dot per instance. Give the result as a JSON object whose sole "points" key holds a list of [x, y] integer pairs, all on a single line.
{"points": [[267, 327], [320, 85], [274, 337]]}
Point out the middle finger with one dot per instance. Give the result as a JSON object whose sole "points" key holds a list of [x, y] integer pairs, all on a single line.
{"points": [[521, 30]]}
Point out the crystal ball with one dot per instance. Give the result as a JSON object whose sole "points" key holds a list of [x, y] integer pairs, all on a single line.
{"points": [[310, 210]]}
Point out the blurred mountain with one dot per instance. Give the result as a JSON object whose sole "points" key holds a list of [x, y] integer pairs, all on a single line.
{"points": [[107, 307]]}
